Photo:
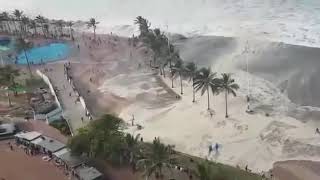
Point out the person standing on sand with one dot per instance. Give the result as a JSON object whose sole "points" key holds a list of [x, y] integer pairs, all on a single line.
{"points": [[217, 148], [210, 149], [132, 120], [317, 131]]}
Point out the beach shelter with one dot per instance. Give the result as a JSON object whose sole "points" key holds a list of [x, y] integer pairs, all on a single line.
{"points": [[70, 161], [88, 173], [48, 145], [28, 136]]}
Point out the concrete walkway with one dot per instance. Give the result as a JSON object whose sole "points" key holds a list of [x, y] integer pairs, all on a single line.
{"points": [[73, 111]]}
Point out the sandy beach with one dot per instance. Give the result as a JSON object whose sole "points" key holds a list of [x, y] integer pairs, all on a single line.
{"points": [[114, 77]]}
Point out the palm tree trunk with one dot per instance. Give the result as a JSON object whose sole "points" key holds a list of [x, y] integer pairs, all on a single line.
{"points": [[193, 91], [226, 97], [94, 33], [15, 27], [35, 31], [171, 80], [9, 29], [25, 54], [71, 35], [208, 98], [164, 72], [43, 31], [9, 99], [181, 83]]}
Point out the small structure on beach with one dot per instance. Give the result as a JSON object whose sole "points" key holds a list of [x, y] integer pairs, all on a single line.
{"points": [[88, 173], [7, 129], [28, 136], [48, 145], [69, 161]]}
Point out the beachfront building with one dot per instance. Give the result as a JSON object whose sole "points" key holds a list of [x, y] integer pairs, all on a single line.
{"points": [[47, 145], [64, 158], [7, 129], [87, 173], [53, 149], [27, 137]]}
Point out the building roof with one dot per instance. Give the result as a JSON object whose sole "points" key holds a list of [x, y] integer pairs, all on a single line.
{"points": [[43, 128], [54, 112], [60, 152], [55, 117], [40, 117], [88, 173], [29, 136], [8, 128], [50, 144], [71, 160]]}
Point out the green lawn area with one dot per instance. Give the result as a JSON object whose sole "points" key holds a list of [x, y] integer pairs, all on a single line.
{"points": [[227, 172]]}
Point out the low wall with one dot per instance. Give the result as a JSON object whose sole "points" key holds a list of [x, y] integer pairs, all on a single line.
{"points": [[48, 82]]}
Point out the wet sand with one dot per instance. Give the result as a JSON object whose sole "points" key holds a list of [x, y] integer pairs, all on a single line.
{"points": [[16, 165], [296, 170]]}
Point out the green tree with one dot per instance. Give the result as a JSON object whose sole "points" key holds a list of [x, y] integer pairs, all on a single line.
{"points": [[102, 138], [60, 24], [33, 25], [228, 85], [7, 78], [46, 28], [5, 18], [133, 149], [179, 69], [156, 160], [191, 69], [42, 21], [17, 14], [23, 45], [70, 24], [143, 24], [205, 80], [25, 21], [93, 23]]}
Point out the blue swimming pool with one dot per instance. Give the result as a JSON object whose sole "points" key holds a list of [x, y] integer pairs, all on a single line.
{"points": [[43, 54]]}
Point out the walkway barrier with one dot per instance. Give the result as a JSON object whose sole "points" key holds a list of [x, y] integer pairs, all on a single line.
{"points": [[53, 92]]}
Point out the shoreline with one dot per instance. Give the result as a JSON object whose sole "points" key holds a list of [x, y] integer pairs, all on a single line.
{"points": [[83, 84]]}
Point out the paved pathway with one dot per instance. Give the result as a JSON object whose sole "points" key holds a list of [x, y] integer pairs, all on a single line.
{"points": [[73, 111]]}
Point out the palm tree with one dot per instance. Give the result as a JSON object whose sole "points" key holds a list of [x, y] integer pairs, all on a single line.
{"points": [[23, 46], [60, 24], [132, 148], [41, 20], [5, 18], [144, 25], [33, 25], [17, 14], [93, 23], [228, 85], [191, 70], [25, 21], [70, 24], [46, 29], [7, 76], [179, 69], [205, 80], [157, 159]]}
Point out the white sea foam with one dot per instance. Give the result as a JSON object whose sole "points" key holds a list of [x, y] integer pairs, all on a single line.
{"points": [[290, 21]]}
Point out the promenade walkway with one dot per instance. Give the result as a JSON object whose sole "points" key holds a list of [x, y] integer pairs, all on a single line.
{"points": [[73, 110]]}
